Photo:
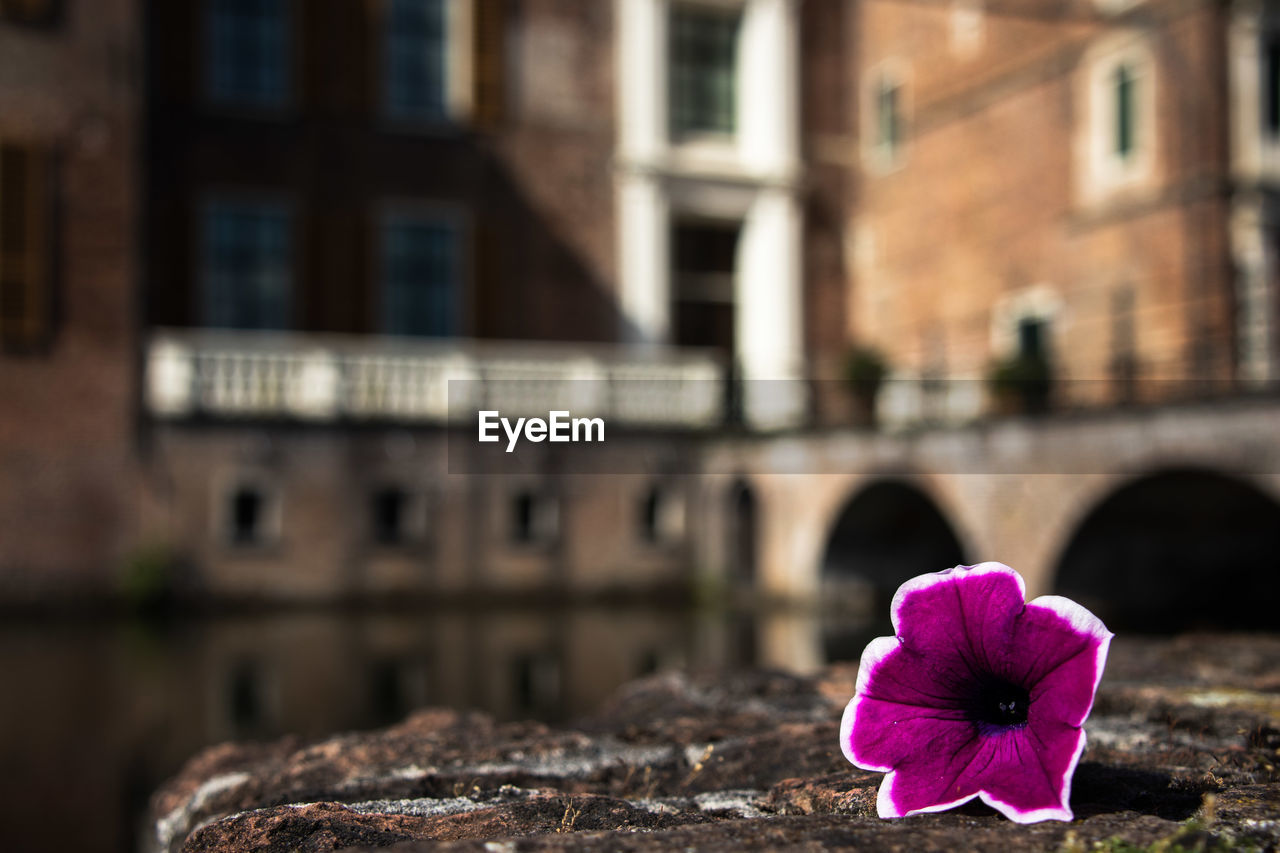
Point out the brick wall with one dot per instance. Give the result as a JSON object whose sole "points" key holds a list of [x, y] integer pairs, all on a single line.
{"points": [[70, 90], [991, 210]]}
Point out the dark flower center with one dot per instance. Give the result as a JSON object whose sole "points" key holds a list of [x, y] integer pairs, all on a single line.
{"points": [[1001, 704]]}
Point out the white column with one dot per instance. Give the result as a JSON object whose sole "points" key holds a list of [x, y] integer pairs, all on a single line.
{"points": [[643, 263], [641, 38], [769, 317], [643, 259], [768, 87]]}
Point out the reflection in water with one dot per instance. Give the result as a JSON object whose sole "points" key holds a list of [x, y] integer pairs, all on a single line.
{"points": [[97, 714]]}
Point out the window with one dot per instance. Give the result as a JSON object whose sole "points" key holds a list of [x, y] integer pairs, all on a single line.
{"points": [[888, 117], [31, 13], [393, 517], [247, 516], [1125, 109], [249, 56], [415, 60], [420, 270], [661, 516], [250, 515], [26, 280], [1031, 334], [1118, 154], [534, 518], [704, 48], [705, 260], [247, 265]]}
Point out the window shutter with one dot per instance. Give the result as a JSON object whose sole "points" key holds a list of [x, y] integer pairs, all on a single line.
{"points": [[490, 29], [25, 280]]}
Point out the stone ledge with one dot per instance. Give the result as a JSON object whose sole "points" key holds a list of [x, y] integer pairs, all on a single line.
{"points": [[1184, 742]]}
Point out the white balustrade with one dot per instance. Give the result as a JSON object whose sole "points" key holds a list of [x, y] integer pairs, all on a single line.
{"points": [[269, 375]]}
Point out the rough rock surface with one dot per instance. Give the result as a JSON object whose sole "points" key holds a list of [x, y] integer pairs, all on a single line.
{"points": [[1184, 747]]}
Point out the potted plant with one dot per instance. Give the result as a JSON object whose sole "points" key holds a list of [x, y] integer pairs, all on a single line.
{"points": [[1022, 383]]}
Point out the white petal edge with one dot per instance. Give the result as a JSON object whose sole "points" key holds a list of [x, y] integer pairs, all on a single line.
{"points": [[872, 656], [1084, 622], [923, 582], [886, 809]]}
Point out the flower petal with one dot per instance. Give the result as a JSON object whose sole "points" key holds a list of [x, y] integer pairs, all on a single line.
{"points": [[900, 697], [1033, 783], [963, 614], [944, 773], [1063, 652]]}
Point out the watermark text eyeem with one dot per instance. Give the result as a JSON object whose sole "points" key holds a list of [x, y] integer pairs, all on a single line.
{"points": [[559, 426]]}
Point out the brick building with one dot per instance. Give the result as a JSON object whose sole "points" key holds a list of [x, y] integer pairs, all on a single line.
{"points": [[280, 227], [1086, 182], [69, 199]]}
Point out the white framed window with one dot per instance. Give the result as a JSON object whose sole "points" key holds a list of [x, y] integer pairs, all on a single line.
{"points": [[703, 46], [1116, 143], [884, 116], [1025, 322]]}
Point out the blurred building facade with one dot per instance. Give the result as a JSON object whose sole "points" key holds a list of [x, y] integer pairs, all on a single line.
{"points": [[1081, 183], [70, 192], [313, 215]]}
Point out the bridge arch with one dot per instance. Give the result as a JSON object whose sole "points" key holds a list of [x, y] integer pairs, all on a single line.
{"points": [[1177, 547], [888, 531]]}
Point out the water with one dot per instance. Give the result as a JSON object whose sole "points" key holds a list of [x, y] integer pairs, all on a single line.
{"points": [[96, 714]]}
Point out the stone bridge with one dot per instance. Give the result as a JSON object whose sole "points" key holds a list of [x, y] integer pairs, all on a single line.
{"points": [[1173, 508]]}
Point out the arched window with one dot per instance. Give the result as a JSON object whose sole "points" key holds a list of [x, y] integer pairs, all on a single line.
{"points": [[1116, 141]]}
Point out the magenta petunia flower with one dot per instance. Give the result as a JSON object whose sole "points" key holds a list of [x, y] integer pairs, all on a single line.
{"points": [[980, 694]]}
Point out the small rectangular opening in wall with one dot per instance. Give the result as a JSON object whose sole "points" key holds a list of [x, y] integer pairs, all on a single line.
{"points": [[889, 117], [1031, 335], [390, 511], [661, 516], [1126, 124], [535, 518], [247, 515]]}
